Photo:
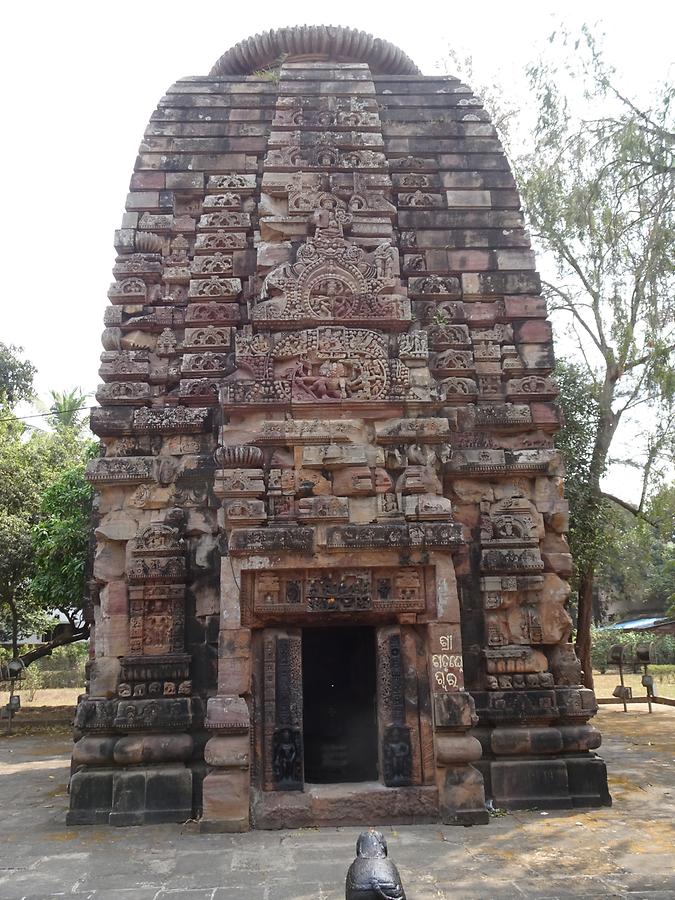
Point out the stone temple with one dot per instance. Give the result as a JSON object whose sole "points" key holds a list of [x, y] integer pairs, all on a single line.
{"points": [[330, 573]]}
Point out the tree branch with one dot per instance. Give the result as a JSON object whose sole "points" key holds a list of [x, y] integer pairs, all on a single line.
{"points": [[568, 305], [653, 127], [646, 357], [582, 350], [47, 648], [634, 394], [629, 507]]}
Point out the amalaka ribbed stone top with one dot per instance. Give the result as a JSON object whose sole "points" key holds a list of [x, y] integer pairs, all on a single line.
{"points": [[328, 41]]}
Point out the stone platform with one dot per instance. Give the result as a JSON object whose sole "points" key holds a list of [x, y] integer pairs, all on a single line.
{"points": [[346, 804], [625, 851]]}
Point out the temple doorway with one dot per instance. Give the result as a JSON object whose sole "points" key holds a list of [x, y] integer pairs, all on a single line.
{"points": [[339, 710]]}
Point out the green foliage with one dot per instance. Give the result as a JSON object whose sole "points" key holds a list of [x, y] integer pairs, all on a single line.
{"points": [[24, 470], [638, 559], [589, 513], [16, 376], [60, 542], [663, 674], [18, 612], [599, 195], [64, 667], [44, 510], [272, 73], [662, 512], [440, 317], [67, 410], [32, 681]]}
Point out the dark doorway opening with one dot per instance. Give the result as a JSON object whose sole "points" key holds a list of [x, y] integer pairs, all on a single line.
{"points": [[339, 719]]}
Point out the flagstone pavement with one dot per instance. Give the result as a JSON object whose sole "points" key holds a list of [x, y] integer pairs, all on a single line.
{"points": [[626, 851]]}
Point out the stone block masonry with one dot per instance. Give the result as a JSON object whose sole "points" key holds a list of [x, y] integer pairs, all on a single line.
{"points": [[329, 582]]}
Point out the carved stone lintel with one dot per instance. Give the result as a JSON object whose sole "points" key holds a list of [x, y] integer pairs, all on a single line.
{"points": [[244, 541], [392, 536]]}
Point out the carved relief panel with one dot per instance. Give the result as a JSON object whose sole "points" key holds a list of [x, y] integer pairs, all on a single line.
{"points": [[334, 280], [157, 663]]}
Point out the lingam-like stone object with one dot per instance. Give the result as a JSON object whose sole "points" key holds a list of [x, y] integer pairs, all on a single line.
{"points": [[372, 875]]}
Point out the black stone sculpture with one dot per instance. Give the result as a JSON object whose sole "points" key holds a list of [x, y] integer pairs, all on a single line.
{"points": [[287, 759], [372, 876], [397, 755]]}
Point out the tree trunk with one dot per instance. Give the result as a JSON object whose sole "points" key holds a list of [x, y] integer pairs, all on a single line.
{"points": [[584, 619], [607, 425], [15, 628]]}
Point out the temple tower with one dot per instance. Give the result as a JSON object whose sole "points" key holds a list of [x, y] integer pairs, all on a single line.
{"points": [[329, 582]]}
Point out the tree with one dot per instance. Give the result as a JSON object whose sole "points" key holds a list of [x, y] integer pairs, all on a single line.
{"points": [[16, 376], [588, 514], [60, 544], [599, 198], [66, 410], [630, 552], [636, 566], [44, 513], [653, 545], [15, 568], [45, 504], [23, 470], [662, 585]]}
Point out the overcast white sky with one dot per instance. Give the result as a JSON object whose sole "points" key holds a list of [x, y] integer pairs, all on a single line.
{"points": [[81, 79]]}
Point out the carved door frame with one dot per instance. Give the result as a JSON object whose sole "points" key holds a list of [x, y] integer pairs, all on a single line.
{"points": [[401, 708], [282, 742]]}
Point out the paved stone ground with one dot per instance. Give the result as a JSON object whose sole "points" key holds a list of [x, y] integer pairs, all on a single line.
{"points": [[625, 851]]}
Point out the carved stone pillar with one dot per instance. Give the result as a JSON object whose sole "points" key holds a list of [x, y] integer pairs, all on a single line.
{"points": [[227, 752], [461, 789], [226, 787]]}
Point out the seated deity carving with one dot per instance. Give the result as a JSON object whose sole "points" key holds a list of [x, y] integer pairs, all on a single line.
{"points": [[327, 383]]}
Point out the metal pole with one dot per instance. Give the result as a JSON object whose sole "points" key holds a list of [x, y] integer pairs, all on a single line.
{"points": [[10, 710]]}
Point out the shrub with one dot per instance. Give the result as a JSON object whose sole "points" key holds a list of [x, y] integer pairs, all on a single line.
{"points": [[31, 682]]}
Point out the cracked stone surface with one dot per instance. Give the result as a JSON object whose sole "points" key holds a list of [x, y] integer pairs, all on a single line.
{"points": [[625, 851]]}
